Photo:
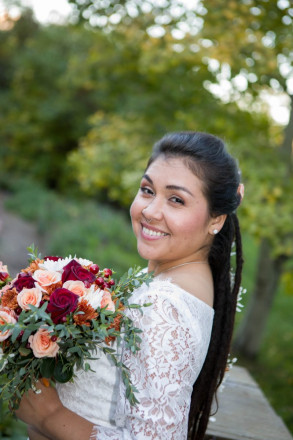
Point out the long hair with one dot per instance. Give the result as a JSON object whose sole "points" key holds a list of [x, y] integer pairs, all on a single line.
{"points": [[206, 156]]}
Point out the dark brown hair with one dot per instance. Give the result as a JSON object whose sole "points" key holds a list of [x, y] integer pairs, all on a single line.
{"points": [[207, 157]]}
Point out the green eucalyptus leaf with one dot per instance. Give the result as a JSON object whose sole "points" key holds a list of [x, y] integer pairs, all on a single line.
{"points": [[63, 371], [15, 333], [24, 351], [47, 367]]}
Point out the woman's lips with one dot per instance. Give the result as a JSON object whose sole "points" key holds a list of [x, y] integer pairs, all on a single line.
{"points": [[150, 232]]}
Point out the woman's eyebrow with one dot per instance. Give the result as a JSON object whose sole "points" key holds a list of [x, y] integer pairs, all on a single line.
{"points": [[174, 187], [180, 188], [147, 177]]}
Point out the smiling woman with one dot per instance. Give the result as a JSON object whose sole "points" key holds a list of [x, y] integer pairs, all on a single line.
{"points": [[184, 219], [170, 216]]}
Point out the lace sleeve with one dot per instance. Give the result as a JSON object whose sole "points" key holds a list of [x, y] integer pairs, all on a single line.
{"points": [[176, 333]]}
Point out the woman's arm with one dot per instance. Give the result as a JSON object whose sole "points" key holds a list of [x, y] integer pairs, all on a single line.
{"points": [[48, 418], [35, 435]]}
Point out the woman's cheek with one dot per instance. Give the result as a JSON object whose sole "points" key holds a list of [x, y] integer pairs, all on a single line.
{"points": [[134, 212]]}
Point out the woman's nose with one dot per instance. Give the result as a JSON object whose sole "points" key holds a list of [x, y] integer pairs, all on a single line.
{"points": [[153, 211]]}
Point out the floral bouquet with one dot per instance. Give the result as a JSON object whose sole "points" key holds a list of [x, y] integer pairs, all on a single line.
{"points": [[55, 315]]}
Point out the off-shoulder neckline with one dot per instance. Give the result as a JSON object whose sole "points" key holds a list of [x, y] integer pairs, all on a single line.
{"points": [[190, 295]]}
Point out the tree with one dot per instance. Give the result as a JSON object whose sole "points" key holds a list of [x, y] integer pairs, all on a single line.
{"points": [[44, 107], [246, 47], [155, 86], [257, 47]]}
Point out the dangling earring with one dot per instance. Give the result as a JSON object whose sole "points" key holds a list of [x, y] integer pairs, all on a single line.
{"points": [[215, 231]]}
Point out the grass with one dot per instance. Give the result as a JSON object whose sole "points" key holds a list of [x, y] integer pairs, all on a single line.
{"points": [[105, 236]]}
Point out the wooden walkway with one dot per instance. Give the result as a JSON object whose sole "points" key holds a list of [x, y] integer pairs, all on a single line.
{"points": [[244, 412]]}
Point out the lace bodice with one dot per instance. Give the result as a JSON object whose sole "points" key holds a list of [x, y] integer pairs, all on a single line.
{"points": [[176, 334]]}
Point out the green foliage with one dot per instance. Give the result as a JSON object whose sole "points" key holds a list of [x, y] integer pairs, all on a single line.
{"points": [[87, 110], [146, 13], [109, 160], [76, 226]]}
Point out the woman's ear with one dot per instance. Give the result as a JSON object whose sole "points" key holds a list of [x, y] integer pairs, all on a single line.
{"points": [[217, 223]]}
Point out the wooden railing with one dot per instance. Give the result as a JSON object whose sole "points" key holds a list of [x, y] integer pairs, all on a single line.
{"points": [[244, 413]]}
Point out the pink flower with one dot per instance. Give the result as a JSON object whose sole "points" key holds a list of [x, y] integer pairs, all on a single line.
{"points": [[76, 287], [46, 277], [3, 267], [107, 301], [42, 344], [7, 316], [3, 272], [29, 296]]}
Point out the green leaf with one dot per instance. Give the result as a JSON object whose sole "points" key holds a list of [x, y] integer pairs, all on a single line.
{"points": [[47, 367], [63, 371], [24, 351], [33, 253], [15, 333], [26, 335]]}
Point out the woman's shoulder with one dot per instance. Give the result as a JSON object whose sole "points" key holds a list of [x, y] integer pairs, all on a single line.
{"points": [[167, 290]]}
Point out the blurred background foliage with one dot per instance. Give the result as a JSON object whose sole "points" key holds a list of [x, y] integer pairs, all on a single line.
{"points": [[83, 102]]}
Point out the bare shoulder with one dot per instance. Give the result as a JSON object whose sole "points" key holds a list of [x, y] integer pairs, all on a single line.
{"points": [[198, 283]]}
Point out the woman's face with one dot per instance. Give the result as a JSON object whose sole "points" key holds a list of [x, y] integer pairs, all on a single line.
{"points": [[170, 215]]}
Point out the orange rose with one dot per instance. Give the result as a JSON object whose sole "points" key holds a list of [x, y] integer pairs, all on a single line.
{"points": [[46, 277], [29, 296], [42, 344], [7, 316], [76, 287], [107, 301]]}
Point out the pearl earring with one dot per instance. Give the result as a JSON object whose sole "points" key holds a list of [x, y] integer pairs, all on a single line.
{"points": [[215, 231]]}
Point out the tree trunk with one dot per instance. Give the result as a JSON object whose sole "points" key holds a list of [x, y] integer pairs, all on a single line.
{"points": [[250, 333], [251, 329]]}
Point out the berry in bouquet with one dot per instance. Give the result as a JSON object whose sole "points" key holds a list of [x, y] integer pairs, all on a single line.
{"points": [[56, 314]]}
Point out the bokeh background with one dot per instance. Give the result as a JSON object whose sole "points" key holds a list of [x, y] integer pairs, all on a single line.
{"points": [[83, 98]]}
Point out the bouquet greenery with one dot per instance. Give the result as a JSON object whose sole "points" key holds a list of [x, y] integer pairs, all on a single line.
{"points": [[56, 315]]}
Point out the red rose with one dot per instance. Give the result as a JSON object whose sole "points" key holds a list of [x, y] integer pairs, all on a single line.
{"points": [[4, 276], [52, 258], [74, 271], [62, 302], [24, 281], [67, 270]]}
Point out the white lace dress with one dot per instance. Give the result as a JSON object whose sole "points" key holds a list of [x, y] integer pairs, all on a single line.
{"points": [[176, 334]]}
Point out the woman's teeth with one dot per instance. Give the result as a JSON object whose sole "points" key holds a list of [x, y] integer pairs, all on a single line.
{"points": [[153, 233]]}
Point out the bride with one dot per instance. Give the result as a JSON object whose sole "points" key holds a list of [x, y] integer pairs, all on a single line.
{"points": [[185, 223]]}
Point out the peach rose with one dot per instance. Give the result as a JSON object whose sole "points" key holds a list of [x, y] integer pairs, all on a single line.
{"points": [[107, 301], [7, 316], [76, 287], [46, 277], [42, 344], [29, 296]]}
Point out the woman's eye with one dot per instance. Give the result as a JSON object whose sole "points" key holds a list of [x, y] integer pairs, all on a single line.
{"points": [[146, 190], [177, 200]]}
